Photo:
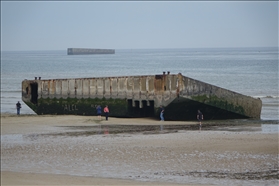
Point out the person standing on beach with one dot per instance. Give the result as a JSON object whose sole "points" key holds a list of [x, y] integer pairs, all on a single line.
{"points": [[99, 111], [200, 118], [106, 111], [162, 113], [18, 107]]}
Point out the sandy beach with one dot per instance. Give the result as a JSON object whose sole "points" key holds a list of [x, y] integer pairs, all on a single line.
{"points": [[81, 150]]}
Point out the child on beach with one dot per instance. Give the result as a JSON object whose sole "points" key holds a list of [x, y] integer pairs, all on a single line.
{"points": [[200, 118], [162, 113]]}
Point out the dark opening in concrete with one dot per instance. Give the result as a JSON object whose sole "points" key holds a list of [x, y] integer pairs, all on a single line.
{"points": [[34, 93], [186, 110], [142, 108]]}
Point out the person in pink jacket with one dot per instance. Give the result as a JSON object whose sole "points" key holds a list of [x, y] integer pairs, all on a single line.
{"points": [[106, 111]]}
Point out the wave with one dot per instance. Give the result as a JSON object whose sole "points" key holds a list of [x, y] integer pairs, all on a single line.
{"points": [[10, 91], [270, 96], [12, 97]]}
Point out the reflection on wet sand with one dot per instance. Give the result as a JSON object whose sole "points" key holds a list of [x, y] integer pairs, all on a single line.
{"points": [[223, 153]]}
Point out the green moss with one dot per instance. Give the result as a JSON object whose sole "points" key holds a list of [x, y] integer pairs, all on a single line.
{"points": [[79, 106], [219, 102], [32, 106]]}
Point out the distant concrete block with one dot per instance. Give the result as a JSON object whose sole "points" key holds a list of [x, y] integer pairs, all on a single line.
{"points": [[86, 51]]}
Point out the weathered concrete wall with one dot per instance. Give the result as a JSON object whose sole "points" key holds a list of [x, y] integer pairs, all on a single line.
{"points": [[220, 98], [83, 51], [163, 88], [177, 93]]}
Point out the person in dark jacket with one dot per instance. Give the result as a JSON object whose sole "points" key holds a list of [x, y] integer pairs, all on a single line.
{"points": [[18, 107], [99, 111]]}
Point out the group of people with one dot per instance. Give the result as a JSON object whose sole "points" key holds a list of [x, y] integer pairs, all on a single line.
{"points": [[106, 111], [199, 116], [99, 112], [98, 108]]}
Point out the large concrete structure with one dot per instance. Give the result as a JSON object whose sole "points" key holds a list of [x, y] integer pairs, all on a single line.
{"points": [[84, 51], [138, 96]]}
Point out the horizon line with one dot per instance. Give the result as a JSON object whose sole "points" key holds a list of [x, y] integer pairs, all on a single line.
{"points": [[145, 48]]}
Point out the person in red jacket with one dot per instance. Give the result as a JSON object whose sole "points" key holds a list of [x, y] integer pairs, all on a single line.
{"points": [[106, 111]]}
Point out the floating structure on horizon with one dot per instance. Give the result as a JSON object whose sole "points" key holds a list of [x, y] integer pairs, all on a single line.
{"points": [[86, 51], [138, 96]]}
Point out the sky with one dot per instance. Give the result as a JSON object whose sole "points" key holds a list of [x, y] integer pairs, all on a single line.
{"points": [[58, 25]]}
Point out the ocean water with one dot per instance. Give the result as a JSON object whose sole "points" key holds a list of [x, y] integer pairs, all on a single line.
{"points": [[249, 71]]}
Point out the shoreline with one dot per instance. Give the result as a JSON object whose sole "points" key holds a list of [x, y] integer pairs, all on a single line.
{"points": [[46, 150], [20, 178]]}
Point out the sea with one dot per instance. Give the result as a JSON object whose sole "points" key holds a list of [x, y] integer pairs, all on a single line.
{"points": [[249, 71]]}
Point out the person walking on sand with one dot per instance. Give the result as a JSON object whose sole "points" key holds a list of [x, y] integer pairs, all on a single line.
{"points": [[200, 118], [99, 111], [162, 113], [106, 111], [18, 107]]}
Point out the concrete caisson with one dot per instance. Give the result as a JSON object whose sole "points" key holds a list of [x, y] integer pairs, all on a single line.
{"points": [[138, 96], [86, 51]]}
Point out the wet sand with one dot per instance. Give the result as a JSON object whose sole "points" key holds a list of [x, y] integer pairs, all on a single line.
{"points": [[81, 150]]}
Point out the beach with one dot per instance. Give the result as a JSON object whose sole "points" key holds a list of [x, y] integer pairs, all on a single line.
{"points": [[82, 150]]}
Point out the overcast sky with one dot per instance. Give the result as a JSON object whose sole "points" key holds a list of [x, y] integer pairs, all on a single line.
{"points": [[135, 25]]}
